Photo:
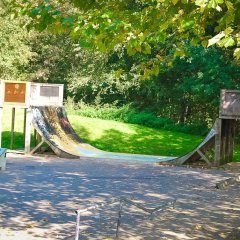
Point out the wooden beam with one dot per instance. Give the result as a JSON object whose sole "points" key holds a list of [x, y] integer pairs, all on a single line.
{"points": [[204, 157], [37, 147]]}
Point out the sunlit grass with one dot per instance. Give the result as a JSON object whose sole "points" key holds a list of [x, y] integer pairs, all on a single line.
{"points": [[121, 137], [236, 153], [18, 129]]}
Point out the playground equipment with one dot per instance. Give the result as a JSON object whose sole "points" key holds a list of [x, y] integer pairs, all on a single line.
{"points": [[43, 109], [221, 136], [23, 95], [53, 125]]}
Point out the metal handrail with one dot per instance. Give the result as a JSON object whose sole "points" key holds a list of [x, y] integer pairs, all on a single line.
{"points": [[121, 201]]}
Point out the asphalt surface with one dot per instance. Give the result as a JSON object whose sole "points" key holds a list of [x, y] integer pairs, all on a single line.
{"points": [[39, 196]]}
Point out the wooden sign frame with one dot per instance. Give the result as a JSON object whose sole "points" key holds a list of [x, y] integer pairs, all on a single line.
{"points": [[17, 88], [39, 95], [229, 104]]}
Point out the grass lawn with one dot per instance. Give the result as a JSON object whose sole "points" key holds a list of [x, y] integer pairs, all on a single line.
{"points": [[18, 136], [116, 136], [130, 138], [236, 153]]}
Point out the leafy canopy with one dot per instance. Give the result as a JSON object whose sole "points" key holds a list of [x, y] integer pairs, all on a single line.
{"points": [[137, 25]]}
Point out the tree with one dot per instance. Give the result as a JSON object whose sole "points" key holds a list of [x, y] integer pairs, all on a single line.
{"points": [[15, 54], [137, 25]]}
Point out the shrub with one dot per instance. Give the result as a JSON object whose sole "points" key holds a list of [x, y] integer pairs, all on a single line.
{"points": [[196, 129], [129, 114]]}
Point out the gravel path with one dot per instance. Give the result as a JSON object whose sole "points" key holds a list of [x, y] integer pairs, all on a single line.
{"points": [[38, 197]]}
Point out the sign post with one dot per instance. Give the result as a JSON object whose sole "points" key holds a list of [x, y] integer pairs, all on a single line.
{"points": [[15, 95]]}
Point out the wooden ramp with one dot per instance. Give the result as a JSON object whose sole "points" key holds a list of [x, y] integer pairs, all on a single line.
{"points": [[54, 127]]}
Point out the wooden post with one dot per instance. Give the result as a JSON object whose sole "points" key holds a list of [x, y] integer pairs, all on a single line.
{"points": [[12, 128], [24, 126], [1, 110], [37, 141], [28, 131], [224, 141], [35, 137], [227, 140], [218, 129]]}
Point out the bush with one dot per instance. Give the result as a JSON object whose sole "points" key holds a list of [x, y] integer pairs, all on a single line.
{"points": [[196, 129], [129, 114]]}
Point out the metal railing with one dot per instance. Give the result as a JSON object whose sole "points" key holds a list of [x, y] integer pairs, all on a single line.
{"points": [[121, 201]]}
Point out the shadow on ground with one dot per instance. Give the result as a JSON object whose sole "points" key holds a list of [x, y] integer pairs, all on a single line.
{"points": [[38, 197]]}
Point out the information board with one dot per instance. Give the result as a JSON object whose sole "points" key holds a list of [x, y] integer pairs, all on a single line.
{"points": [[230, 104], [15, 93], [45, 94]]}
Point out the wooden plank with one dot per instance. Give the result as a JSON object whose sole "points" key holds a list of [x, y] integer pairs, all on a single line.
{"points": [[45, 94], [37, 147], [204, 157]]}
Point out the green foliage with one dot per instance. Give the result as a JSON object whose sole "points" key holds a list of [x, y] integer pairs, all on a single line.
{"points": [[15, 54], [196, 129], [87, 77], [184, 79], [139, 25], [128, 114], [236, 153], [54, 58], [188, 92]]}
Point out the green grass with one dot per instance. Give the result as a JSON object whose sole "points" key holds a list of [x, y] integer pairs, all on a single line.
{"points": [[236, 153], [130, 138], [6, 134], [116, 136]]}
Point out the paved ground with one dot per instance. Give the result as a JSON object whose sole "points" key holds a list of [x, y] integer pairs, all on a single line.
{"points": [[38, 197]]}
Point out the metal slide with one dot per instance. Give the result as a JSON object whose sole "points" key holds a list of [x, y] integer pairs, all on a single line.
{"points": [[54, 127]]}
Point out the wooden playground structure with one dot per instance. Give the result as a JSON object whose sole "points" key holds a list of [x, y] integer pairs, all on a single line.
{"points": [[23, 95], [26, 95]]}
